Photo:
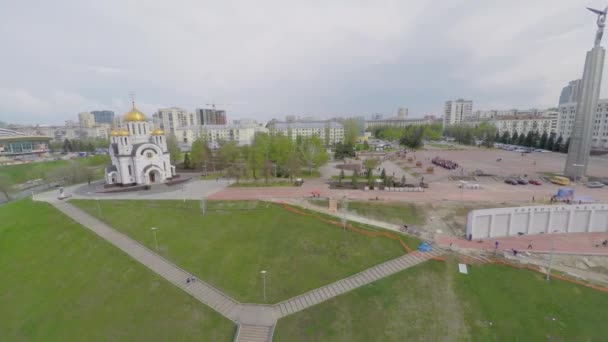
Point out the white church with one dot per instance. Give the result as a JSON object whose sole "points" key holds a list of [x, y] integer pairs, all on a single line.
{"points": [[138, 152]]}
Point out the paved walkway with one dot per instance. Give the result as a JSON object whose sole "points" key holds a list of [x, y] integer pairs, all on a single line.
{"points": [[255, 322], [339, 287], [568, 243]]}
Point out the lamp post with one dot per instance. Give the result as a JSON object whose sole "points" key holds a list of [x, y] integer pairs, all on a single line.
{"points": [[551, 259], [155, 239], [263, 272]]}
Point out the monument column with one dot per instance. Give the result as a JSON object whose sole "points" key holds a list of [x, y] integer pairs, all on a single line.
{"points": [[589, 92]]}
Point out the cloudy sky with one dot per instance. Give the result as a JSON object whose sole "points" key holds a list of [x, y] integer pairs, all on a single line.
{"points": [[264, 59]]}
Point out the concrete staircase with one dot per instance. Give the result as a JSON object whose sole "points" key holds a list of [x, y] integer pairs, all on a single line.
{"points": [[254, 333], [365, 277]]}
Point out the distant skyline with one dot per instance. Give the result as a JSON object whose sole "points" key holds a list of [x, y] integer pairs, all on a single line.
{"points": [[268, 59]]}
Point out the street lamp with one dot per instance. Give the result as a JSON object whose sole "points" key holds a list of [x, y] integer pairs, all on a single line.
{"points": [[263, 272], [155, 239]]}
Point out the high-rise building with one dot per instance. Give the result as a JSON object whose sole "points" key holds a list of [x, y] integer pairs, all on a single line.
{"points": [[599, 134], [169, 119], [570, 92], [457, 111], [402, 113], [211, 116], [86, 120], [103, 116]]}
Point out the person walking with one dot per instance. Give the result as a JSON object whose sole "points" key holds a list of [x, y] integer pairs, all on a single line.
{"points": [[530, 244]]}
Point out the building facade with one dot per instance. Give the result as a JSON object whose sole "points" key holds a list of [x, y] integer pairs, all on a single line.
{"points": [[13, 143], [599, 135], [570, 92], [522, 124], [170, 119], [242, 134], [398, 122], [457, 111], [103, 116], [211, 116], [138, 153], [329, 132], [86, 120]]}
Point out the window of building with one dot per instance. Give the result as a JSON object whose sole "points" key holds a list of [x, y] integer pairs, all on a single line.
{"points": [[130, 172]]}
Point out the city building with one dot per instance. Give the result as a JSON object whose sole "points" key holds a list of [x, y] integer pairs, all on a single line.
{"points": [[599, 134], [522, 124], [169, 119], [570, 92], [402, 113], [103, 116], [241, 133], [13, 143], [211, 116], [86, 120], [398, 122], [139, 154], [330, 132], [457, 111]]}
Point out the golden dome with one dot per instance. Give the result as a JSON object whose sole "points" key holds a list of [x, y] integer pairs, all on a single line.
{"points": [[123, 132], [158, 131], [115, 133], [134, 115]]}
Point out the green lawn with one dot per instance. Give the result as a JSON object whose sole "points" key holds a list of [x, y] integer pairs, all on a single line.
{"points": [[394, 212], [59, 282], [433, 302], [21, 173], [234, 241]]}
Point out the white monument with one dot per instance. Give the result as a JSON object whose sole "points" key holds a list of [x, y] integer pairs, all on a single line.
{"points": [[589, 92]]}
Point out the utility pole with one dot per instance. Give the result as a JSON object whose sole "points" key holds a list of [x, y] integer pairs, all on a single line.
{"points": [[551, 259]]}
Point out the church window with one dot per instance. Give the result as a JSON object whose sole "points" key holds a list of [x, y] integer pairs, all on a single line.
{"points": [[139, 129], [149, 154], [130, 172]]}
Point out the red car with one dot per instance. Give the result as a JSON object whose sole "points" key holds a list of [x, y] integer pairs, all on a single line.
{"points": [[535, 182]]}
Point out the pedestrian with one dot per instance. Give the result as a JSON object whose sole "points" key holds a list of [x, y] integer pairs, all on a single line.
{"points": [[514, 252], [532, 198], [530, 244], [188, 280], [496, 245]]}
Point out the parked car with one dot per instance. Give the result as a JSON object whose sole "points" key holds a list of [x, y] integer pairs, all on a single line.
{"points": [[560, 180], [604, 181], [535, 182], [511, 181], [522, 181], [595, 185]]}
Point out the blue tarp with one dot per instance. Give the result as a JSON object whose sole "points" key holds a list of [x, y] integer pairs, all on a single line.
{"points": [[565, 193], [425, 247]]}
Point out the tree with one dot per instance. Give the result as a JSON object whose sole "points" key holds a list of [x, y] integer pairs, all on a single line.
{"points": [[550, 142], [313, 152], [529, 140], [267, 168], [352, 130], [175, 153], [543, 140], [293, 165], [564, 147], [370, 164], [259, 153], [228, 153], [383, 174], [199, 154], [514, 138], [558, 144], [342, 151], [505, 138], [6, 187], [403, 180], [521, 140], [187, 163], [412, 137], [341, 176], [354, 179], [67, 146], [365, 145]]}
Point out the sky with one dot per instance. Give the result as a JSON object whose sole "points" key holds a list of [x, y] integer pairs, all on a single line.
{"points": [[267, 59]]}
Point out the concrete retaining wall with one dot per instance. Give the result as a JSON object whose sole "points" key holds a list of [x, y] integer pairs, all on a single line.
{"points": [[487, 223]]}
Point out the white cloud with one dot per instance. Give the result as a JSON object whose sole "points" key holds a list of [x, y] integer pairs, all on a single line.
{"points": [[271, 58]]}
